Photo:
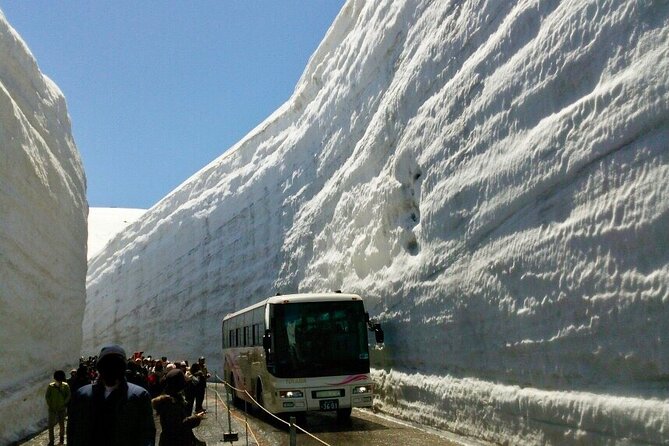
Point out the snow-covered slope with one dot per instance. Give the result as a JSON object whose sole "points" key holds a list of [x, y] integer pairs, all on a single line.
{"points": [[105, 223], [492, 176], [42, 237]]}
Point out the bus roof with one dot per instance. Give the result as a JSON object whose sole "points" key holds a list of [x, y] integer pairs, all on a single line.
{"points": [[297, 298]]}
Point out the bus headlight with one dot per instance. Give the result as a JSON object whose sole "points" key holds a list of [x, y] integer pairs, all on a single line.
{"points": [[291, 394], [362, 389]]}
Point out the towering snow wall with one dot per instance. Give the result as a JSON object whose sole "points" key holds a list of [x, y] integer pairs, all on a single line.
{"points": [[42, 238], [493, 178]]}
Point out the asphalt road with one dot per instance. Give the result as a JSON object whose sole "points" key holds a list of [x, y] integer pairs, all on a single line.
{"points": [[365, 428]]}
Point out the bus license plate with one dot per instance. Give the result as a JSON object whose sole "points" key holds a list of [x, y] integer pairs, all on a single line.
{"points": [[329, 404]]}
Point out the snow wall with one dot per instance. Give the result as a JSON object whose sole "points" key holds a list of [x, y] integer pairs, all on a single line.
{"points": [[43, 212], [105, 223], [492, 177]]}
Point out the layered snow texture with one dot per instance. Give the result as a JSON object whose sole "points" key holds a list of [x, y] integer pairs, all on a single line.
{"points": [[493, 178], [43, 213]]}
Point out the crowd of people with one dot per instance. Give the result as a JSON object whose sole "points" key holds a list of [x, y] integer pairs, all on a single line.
{"points": [[150, 373], [109, 400]]}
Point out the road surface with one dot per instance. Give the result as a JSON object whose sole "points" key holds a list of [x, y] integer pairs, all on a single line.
{"points": [[365, 428]]}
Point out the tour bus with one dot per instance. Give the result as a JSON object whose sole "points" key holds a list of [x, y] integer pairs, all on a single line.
{"points": [[301, 353]]}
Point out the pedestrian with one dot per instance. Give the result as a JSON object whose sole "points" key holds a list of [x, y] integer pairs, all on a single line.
{"points": [[112, 412], [192, 383], [175, 423], [136, 374], [79, 380], [202, 361], [154, 380], [57, 396], [202, 386]]}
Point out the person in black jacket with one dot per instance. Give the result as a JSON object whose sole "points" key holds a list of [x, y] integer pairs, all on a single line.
{"points": [[176, 424], [201, 388], [112, 412], [79, 380]]}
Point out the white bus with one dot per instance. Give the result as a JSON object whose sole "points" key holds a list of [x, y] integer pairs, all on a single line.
{"points": [[301, 352]]}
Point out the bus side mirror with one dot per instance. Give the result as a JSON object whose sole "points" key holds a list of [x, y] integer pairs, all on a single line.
{"points": [[378, 333], [267, 340], [376, 328]]}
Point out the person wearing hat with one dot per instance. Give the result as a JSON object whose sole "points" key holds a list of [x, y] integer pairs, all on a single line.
{"points": [[112, 412], [176, 424]]}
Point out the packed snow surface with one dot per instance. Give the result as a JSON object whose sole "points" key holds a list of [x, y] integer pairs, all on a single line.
{"points": [[493, 178], [105, 223], [42, 237]]}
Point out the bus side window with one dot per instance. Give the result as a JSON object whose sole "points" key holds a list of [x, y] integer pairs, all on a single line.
{"points": [[238, 338]]}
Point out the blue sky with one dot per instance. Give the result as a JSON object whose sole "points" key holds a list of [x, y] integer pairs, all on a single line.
{"points": [[157, 90]]}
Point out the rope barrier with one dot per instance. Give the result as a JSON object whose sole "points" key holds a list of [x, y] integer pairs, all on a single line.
{"points": [[237, 417], [270, 413]]}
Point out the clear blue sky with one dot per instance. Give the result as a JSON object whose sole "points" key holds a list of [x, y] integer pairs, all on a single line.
{"points": [[157, 90]]}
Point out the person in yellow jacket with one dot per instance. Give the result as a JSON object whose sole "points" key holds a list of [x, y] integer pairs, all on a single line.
{"points": [[57, 396]]}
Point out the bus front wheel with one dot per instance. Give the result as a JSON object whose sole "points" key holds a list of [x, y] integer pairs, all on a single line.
{"points": [[236, 401], [259, 398]]}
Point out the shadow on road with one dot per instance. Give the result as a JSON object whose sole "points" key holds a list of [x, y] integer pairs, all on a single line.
{"points": [[328, 422], [323, 422]]}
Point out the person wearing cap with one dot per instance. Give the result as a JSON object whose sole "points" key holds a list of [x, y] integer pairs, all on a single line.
{"points": [[57, 396], [112, 412], [176, 424]]}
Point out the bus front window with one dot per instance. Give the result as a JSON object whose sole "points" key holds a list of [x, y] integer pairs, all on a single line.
{"points": [[320, 339]]}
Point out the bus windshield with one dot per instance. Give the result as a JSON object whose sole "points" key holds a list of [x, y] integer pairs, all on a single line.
{"points": [[319, 339]]}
